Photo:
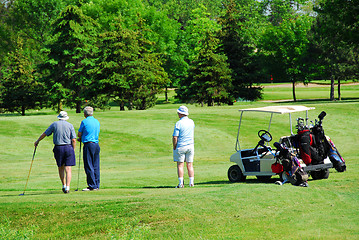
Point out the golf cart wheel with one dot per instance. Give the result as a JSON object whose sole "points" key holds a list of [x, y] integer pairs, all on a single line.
{"points": [[235, 174], [321, 174]]}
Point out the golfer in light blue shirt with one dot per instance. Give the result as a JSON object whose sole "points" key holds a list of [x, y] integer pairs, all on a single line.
{"points": [[88, 134], [183, 145]]}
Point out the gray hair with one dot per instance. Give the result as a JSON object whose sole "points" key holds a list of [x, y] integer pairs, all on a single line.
{"points": [[88, 111]]}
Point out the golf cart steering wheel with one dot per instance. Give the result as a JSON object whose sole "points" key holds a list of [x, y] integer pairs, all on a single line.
{"points": [[265, 135]]}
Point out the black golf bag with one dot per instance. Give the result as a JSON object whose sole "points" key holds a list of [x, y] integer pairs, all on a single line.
{"points": [[314, 146], [291, 167]]}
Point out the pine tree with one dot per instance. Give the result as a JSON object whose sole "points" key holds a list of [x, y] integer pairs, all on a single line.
{"points": [[209, 76], [70, 57], [128, 71], [19, 89]]}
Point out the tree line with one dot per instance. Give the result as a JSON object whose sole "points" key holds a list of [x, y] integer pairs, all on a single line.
{"points": [[67, 53]]}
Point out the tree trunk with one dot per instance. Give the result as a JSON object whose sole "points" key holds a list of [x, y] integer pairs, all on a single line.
{"points": [[293, 89], [78, 106], [23, 111], [210, 102], [339, 94], [166, 94], [122, 106], [332, 88]]}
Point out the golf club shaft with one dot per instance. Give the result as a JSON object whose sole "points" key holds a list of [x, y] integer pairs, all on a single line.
{"points": [[28, 176], [78, 172]]}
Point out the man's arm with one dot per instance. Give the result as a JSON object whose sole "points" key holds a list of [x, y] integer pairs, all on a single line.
{"points": [[40, 138], [73, 143], [174, 142]]}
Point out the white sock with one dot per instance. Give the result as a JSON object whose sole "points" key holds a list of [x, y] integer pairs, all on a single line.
{"points": [[63, 186], [191, 181], [180, 181], [67, 188]]}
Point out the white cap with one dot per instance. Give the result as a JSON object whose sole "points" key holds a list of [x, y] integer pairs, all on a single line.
{"points": [[183, 110]]}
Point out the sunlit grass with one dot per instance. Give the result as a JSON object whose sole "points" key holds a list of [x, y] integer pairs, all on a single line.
{"points": [[138, 200]]}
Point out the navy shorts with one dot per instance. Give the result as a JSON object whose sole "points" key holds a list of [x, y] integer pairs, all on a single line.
{"points": [[64, 155]]}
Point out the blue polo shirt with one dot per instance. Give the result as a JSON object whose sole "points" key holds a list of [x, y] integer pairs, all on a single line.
{"points": [[184, 130], [90, 129]]}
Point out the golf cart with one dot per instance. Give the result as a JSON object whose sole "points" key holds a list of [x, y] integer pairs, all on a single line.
{"points": [[259, 161]]}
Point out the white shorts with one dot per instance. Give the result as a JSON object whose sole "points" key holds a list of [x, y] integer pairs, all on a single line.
{"points": [[184, 154]]}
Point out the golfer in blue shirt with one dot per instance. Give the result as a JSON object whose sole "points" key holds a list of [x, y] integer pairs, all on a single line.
{"points": [[88, 134], [183, 145]]}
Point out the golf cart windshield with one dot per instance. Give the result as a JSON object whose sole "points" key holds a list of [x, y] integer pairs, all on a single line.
{"points": [[274, 110]]}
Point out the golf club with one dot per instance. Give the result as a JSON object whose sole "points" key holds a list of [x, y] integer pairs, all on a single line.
{"points": [[78, 172], [33, 156]]}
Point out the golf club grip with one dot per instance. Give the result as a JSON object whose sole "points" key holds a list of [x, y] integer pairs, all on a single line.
{"points": [[278, 146]]}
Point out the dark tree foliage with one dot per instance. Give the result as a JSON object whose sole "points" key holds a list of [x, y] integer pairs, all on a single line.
{"points": [[33, 18], [241, 53], [344, 16], [330, 56], [69, 58], [174, 43], [18, 87], [209, 76], [127, 71], [285, 45], [6, 33]]}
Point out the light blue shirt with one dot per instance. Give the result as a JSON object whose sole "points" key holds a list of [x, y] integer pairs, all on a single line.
{"points": [[63, 132], [184, 130], [90, 129]]}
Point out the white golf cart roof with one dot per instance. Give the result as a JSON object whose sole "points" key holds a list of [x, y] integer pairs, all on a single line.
{"points": [[278, 109], [274, 110]]}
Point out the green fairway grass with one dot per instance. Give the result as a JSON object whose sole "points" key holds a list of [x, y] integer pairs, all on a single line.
{"points": [[137, 199]]}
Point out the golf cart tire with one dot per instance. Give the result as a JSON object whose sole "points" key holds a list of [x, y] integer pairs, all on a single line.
{"points": [[321, 174], [235, 174]]}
